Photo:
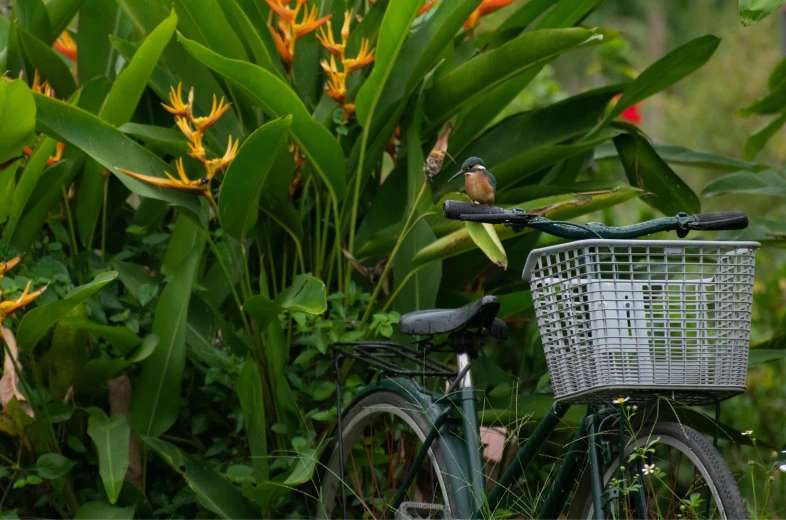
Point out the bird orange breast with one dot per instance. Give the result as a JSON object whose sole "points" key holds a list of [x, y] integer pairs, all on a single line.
{"points": [[479, 189]]}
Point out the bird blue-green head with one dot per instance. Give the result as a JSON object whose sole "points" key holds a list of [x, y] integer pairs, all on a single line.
{"points": [[471, 165]]}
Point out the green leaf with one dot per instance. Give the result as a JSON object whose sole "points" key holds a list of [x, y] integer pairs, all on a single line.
{"points": [[38, 321], [687, 157], [97, 20], [111, 438], [418, 56], [306, 294], [492, 68], [560, 207], [204, 21], [32, 15], [526, 14], [214, 492], [7, 188], [104, 511], [277, 99], [46, 196], [27, 183], [763, 183], [772, 103], [758, 140], [53, 465], [777, 75], [66, 355], [392, 34], [420, 292], [751, 11], [127, 89], [157, 398], [120, 337], [757, 356], [666, 192], [58, 412], [262, 309], [266, 493], [238, 203], [109, 147], [120, 105], [668, 70], [243, 26], [61, 12], [164, 140], [40, 57], [480, 111], [17, 118], [97, 371], [485, 237], [249, 391]]}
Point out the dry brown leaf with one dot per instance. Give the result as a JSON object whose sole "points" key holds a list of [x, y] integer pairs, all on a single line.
{"points": [[9, 383], [120, 395]]}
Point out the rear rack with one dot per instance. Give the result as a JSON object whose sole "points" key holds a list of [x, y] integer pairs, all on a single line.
{"points": [[392, 358]]}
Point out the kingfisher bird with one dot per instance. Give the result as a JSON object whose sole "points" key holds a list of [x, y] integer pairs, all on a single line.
{"points": [[481, 186]]}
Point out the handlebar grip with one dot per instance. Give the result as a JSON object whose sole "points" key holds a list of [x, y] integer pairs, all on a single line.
{"points": [[724, 220], [454, 209]]}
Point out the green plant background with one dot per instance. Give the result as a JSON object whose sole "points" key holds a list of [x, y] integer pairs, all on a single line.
{"points": [[199, 335]]}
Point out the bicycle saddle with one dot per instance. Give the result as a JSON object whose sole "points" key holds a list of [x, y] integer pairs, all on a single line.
{"points": [[481, 313]]}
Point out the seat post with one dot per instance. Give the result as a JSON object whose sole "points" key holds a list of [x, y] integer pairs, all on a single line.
{"points": [[463, 360]]}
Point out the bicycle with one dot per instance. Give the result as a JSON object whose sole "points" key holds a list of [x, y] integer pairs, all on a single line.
{"points": [[640, 321]]}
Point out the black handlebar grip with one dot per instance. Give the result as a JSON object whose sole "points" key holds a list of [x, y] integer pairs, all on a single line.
{"points": [[724, 220], [454, 209]]}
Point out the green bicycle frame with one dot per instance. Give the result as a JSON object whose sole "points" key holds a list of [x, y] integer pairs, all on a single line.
{"points": [[464, 459]]}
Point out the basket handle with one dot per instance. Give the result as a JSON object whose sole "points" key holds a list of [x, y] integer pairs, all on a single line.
{"points": [[724, 220]]}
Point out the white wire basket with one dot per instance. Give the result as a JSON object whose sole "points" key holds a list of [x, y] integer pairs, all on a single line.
{"points": [[640, 318]]}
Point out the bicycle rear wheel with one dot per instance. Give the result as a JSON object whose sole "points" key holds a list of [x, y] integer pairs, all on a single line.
{"points": [[677, 471], [382, 433]]}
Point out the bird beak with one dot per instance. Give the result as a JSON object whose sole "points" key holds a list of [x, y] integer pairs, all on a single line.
{"points": [[456, 175]]}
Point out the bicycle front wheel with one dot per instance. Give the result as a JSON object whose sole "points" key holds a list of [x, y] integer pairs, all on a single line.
{"points": [[382, 433], [670, 470]]}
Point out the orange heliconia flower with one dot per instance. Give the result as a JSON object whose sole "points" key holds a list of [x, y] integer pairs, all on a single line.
{"points": [[427, 7], [336, 86], [486, 7], [66, 46], [40, 87], [287, 29], [9, 307], [193, 128]]}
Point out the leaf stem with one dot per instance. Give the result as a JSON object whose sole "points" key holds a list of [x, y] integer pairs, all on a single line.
{"points": [[220, 260], [103, 219], [69, 217], [404, 232]]}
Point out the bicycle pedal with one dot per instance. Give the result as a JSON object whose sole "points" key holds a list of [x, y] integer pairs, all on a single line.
{"points": [[420, 510]]}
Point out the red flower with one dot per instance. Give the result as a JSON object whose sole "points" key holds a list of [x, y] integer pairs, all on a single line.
{"points": [[631, 115]]}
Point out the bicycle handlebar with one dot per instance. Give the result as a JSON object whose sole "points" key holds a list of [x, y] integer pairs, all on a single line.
{"points": [[682, 223]]}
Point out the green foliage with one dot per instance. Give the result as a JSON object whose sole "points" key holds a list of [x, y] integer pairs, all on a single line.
{"points": [[322, 228]]}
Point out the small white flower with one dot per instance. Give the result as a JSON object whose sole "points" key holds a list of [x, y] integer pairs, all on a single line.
{"points": [[748, 432], [620, 400], [648, 468]]}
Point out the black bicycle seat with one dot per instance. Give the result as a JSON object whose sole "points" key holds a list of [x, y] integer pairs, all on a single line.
{"points": [[481, 313]]}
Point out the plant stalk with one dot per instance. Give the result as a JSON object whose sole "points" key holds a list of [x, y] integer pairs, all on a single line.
{"points": [[404, 232]]}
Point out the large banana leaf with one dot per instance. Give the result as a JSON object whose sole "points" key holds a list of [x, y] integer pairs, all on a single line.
{"points": [[491, 69], [665, 72], [392, 34], [157, 397], [665, 191], [109, 147], [213, 491], [118, 108], [277, 99], [238, 203]]}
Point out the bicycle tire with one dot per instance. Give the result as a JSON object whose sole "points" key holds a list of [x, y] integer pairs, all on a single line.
{"points": [[353, 421], [690, 442]]}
